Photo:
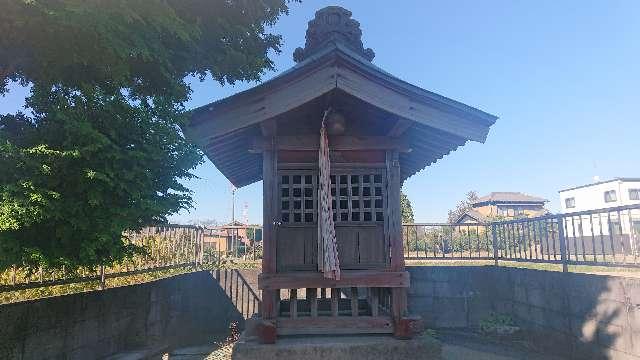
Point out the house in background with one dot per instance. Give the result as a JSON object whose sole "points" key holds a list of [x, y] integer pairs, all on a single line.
{"points": [[601, 195], [507, 205], [231, 236], [472, 216], [216, 240], [598, 213]]}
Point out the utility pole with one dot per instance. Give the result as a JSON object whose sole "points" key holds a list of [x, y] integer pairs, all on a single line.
{"points": [[245, 213], [234, 246]]}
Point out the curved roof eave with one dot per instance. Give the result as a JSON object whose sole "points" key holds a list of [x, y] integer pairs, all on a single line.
{"points": [[326, 58], [220, 128]]}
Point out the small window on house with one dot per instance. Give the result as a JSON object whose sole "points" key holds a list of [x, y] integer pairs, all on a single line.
{"points": [[610, 196], [570, 203], [634, 194]]}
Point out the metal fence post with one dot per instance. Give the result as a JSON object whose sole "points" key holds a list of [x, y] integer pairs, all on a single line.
{"points": [[102, 278], [201, 244], [563, 244], [494, 234]]}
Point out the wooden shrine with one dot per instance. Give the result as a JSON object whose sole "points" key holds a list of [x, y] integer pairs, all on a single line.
{"points": [[381, 130]]}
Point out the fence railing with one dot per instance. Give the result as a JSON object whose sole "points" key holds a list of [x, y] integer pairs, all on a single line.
{"points": [[239, 291], [607, 237], [604, 237], [168, 247]]}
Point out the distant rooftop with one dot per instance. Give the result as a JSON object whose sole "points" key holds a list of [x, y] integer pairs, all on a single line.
{"points": [[509, 197], [474, 215], [623, 179]]}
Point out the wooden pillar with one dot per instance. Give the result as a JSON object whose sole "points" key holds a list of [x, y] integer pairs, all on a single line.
{"points": [[394, 229], [394, 214], [312, 297], [373, 300], [354, 302], [335, 301], [293, 303], [269, 232]]}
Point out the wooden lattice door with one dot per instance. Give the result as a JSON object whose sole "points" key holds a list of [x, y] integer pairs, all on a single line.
{"points": [[358, 199], [297, 234]]}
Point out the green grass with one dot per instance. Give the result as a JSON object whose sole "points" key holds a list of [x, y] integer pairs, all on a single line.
{"points": [[587, 269], [58, 290]]}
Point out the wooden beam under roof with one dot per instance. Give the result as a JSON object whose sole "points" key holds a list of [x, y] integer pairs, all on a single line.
{"points": [[348, 278], [269, 128], [400, 127], [336, 143]]}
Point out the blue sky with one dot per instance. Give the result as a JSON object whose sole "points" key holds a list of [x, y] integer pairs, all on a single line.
{"points": [[563, 76]]}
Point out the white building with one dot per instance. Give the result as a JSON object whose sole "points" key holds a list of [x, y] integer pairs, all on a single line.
{"points": [[601, 195], [599, 222]]}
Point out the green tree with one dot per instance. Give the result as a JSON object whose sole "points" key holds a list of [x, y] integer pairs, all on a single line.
{"points": [[406, 209], [100, 149], [462, 207]]}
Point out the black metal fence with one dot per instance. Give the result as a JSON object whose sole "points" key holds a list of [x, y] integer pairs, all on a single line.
{"points": [[168, 247], [239, 291], [607, 237]]}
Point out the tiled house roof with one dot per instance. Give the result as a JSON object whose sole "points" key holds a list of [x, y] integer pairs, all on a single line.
{"points": [[508, 197], [475, 215]]}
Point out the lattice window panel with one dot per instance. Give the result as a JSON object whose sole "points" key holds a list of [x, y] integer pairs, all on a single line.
{"points": [[298, 196], [358, 196]]}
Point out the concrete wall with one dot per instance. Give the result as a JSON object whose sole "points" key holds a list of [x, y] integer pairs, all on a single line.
{"points": [[578, 316], [96, 324]]}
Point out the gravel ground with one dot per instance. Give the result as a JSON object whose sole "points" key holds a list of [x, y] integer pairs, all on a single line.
{"points": [[460, 345], [456, 345]]}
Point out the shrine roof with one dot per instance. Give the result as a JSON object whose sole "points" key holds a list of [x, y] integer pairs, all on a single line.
{"points": [[333, 69]]}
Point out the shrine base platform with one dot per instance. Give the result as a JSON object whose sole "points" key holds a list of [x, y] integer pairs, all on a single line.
{"points": [[361, 347]]}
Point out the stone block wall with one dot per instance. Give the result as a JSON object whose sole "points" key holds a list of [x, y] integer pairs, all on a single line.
{"points": [[449, 297], [577, 316], [96, 324]]}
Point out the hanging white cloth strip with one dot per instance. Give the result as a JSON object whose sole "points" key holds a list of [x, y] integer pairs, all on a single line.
{"points": [[328, 262]]}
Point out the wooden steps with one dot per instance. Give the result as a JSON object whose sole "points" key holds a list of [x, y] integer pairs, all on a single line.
{"points": [[334, 325]]}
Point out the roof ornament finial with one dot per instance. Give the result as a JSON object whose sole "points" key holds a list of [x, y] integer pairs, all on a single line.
{"points": [[333, 24]]}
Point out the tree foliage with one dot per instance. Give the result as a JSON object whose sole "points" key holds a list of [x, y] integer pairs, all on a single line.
{"points": [[462, 207], [406, 209], [145, 46], [100, 149]]}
